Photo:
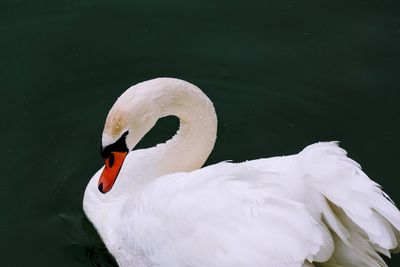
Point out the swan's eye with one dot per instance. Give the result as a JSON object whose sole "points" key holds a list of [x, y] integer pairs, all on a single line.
{"points": [[111, 160]]}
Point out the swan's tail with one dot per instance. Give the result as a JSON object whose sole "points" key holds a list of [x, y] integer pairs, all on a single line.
{"points": [[361, 217]]}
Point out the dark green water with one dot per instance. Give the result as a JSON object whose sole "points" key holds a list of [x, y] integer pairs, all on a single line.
{"points": [[282, 75]]}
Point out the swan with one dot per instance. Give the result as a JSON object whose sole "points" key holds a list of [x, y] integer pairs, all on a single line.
{"points": [[160, 207]]}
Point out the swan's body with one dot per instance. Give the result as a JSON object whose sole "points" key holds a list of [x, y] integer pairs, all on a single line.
{"points": [[165, 210]]}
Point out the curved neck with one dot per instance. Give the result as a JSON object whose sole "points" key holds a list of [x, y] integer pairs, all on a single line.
{"points": [[190, 147], [192, 144]]}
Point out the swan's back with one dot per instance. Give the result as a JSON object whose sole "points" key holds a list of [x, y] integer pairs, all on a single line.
{"points": [[317, 206]]}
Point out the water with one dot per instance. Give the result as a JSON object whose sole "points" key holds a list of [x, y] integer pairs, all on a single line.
{"points": [[282, 74]]}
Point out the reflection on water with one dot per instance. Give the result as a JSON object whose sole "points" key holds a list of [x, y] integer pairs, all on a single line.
{"points": [[95, 249], [281, 74]]}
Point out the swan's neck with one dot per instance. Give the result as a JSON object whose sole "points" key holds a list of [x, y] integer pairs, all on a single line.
{"points": [[194, 140]]}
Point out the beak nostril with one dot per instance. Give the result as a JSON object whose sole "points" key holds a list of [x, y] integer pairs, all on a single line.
{"points": [[101, 188]]}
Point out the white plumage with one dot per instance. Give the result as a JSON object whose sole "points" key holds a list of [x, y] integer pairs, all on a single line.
{"points": [[315, 207]]}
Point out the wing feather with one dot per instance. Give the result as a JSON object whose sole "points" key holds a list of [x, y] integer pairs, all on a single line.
{"points": [[317, 206], [357, 203]]}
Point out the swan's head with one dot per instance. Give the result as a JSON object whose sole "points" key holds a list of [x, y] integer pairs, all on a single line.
{"points": [[131, 117], [137, 110]]}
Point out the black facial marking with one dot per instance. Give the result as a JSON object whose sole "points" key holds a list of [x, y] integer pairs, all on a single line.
{"points": [[118, 146]]}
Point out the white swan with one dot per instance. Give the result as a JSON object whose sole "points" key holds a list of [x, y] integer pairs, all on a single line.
{"points": [[165, 210]]}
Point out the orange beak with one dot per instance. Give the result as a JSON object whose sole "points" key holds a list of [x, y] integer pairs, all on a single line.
{"points": [[110, 172]]}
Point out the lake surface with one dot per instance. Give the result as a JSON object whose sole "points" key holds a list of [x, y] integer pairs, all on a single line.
{"points": [[282, 75]]}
